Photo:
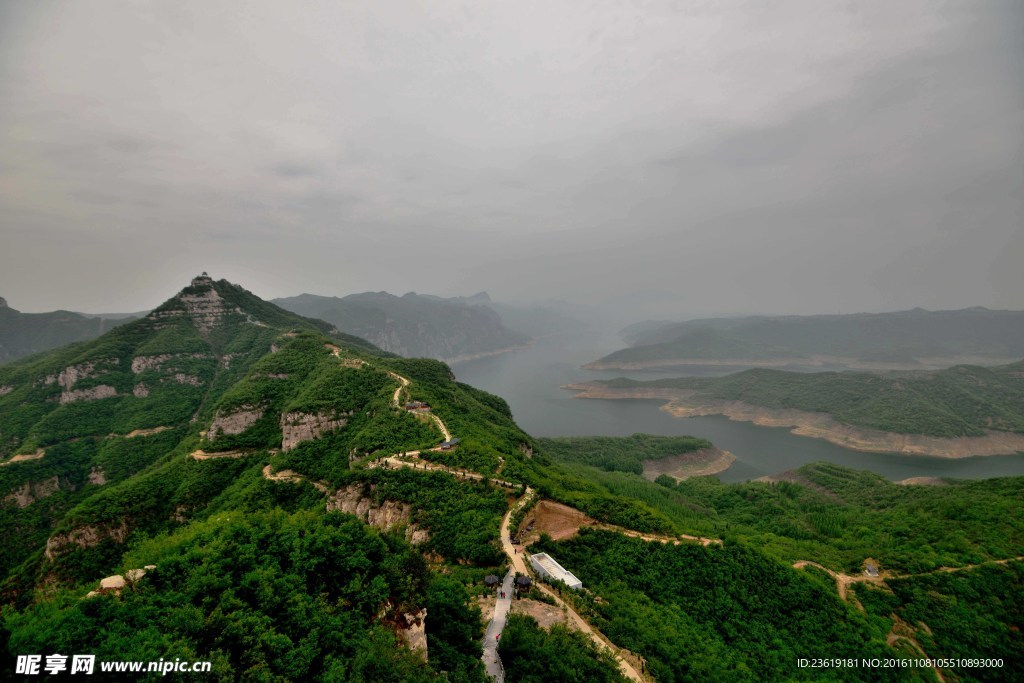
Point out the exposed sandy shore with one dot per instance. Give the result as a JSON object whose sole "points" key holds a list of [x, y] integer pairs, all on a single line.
{"points": [[684, 403], [849, 363], [485, 354], [702, 463], [922, 481]]}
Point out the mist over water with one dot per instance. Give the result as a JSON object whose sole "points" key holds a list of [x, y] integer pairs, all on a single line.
{"points": [[530, 380]]}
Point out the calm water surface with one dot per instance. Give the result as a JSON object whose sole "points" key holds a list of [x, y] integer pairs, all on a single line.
{"points": [[530, 380]]}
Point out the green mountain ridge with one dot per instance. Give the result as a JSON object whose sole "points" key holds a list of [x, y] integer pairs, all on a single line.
{"points": [[234, 450]]}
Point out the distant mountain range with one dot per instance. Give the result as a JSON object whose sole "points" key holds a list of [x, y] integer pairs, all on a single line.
{"points": [[22, 334], [423, 325], [905, 339], [412, 325]]}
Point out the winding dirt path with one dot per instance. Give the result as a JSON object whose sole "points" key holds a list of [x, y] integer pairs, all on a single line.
{"points": [[402, 384], [660, 538], [518, 562], [411, 459], [294, 478], [203, 455], [843, 581], [24, 457]]}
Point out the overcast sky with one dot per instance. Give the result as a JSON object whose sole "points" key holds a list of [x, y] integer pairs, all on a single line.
{"points": [[742, 156]]}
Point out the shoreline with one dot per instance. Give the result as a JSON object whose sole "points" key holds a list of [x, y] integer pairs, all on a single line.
{"points": [[703, 463], [810, 362], [685, 403], [486, 354]]}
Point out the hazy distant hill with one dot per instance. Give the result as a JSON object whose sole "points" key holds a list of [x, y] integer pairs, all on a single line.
{"points": [[915, 338], [412, 325], [22, 334]]}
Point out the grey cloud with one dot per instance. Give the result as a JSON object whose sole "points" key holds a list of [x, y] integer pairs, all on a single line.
{"points": [[796, 157]]}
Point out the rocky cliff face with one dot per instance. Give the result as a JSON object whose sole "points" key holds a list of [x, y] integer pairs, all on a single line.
{"points": [[413, 631], [234, 423], [299, 427], [30, 492], [91, 394], [71, 375], [83, 537], [390, 514]]}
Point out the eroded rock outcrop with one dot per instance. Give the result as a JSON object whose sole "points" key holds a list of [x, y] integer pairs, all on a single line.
{"points": [[112, 584], [71, 375], [30, 492], [298, 427], [234, 423], [91, 394], [143, 363], [83, 537], [6, 389], [413, 631], [389, 515]]}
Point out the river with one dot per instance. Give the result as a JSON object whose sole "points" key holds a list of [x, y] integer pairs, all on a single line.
{"points": [[530, 379]]}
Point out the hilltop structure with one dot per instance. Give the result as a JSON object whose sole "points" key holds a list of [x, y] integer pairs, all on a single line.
{"points": [[546, 566]]}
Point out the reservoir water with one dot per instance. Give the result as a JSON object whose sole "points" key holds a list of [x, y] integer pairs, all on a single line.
{"points": [[530, 379]]}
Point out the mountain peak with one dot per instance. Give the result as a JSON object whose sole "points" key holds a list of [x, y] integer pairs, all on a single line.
{"points": [[208, 303], [3, 303], [478, 299], [203, 280]]}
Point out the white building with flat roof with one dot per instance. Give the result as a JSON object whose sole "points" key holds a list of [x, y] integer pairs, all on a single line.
{"points": [[546, 566]]}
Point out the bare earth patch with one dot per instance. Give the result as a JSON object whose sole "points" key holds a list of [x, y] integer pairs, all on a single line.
{"points": [[25, 456], [545, 614], [486, 604], [556, 520], [702, 463]]}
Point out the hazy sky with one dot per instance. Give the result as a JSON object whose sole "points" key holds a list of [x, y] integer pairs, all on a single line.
{"points": [[745, 156]]}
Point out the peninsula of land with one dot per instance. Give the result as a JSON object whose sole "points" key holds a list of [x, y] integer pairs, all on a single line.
{"points": [[692, 402]]}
